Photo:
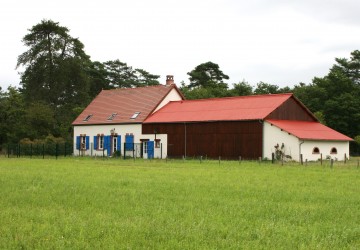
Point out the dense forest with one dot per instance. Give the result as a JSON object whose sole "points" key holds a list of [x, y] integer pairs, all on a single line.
{"points": [[59, 80]]}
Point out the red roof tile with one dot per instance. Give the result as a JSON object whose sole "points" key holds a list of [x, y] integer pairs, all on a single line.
{"points": [[309, 130], [124, 103], [219, 109]]}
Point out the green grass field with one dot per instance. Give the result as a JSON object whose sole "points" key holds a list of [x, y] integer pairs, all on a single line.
{"points": [[82, 203]]}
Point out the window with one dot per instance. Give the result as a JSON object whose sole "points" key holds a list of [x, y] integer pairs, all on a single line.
{"points": [[83, 142], [157, 143], [101, 142], [112, 116], [145, 147], [87, 118], [136, 114], [316, 150], [333, 151]]}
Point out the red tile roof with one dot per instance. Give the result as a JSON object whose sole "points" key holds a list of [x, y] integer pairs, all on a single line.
{"points": [[309, 130], [219, 109], [124, 103]]}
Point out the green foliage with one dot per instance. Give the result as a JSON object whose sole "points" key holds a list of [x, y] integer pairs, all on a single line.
{"points": [[320, 116], [120, 75], [242, 89], [207, 75], [336, 96], [55, 64], [96, 204], [357, 139]]}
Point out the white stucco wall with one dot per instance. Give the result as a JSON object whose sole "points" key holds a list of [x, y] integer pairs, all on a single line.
{"points": [[273, 136], [172, 96], [294, 147], [122, 130], [325, 147]]}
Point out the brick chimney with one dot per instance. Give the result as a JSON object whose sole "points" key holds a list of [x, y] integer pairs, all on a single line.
{"points": [[169, 80]]}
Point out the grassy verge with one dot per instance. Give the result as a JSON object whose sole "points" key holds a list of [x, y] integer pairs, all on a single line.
{"points": [[87, 203]]}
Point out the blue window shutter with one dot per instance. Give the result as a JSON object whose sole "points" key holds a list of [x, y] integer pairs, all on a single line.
{"points": [[129, 140], [78, 142], [95, 142], [87, 141], [119, 143], [108, 144]]}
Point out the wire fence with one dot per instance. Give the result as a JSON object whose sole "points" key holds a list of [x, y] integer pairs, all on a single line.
{"points": [[38, 150], [138, 151]]}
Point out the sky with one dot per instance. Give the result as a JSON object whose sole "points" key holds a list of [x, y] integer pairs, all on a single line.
{"points": [[282, 42]]}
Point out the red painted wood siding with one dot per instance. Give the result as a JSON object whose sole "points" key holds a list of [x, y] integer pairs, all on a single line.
{"points": [[212, 139]]}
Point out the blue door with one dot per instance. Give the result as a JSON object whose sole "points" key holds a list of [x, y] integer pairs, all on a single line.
{"points": [[150, 149]]}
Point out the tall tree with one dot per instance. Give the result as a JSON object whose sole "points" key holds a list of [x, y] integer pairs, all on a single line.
{"points": [[120, 75], [56, 73], [207, 75], [144, 78], [54, 65]]}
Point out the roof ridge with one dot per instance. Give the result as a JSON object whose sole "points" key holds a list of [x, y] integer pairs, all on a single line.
{"points": [[142, 87], [236, 97]]}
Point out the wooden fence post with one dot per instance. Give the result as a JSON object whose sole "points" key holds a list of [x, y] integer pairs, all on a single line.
{"points": [[321, 159]]}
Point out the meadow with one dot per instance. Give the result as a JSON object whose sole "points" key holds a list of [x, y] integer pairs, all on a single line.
{"points": [[83, 203]]}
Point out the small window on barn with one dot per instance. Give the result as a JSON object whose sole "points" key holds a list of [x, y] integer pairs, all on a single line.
{"points": [[333, 151], [136, 114], [112, 116], [316, 150], [87, 118]]}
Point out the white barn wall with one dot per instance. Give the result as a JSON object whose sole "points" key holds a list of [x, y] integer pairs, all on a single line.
{"points": [[122, 130], [325, 148], [274, 135], [294, 147]]}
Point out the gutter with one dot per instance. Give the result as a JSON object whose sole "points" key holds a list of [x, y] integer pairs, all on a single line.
{"points": [[300, 143]]}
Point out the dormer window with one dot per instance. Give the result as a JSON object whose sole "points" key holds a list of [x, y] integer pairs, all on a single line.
{"points": [[112, 116], [136, 114], [87, 118]]}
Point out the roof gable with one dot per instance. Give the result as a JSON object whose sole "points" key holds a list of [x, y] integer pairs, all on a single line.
{"points": [[121, 105], [219, 109], [307, 130]]}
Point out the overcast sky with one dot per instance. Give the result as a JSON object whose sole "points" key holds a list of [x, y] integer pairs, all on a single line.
{"points": [[280, 42]]}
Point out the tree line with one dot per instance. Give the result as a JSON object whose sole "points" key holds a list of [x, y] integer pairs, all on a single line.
{"points": [[59, 80]]}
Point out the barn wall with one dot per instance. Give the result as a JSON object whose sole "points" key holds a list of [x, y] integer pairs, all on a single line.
{"points": [[294, 147], [273, 136], [212, 139], [325, 147], [291, 110]]}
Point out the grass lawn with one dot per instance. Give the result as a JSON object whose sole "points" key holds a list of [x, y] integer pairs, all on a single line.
{"points": [[81, 203]]}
